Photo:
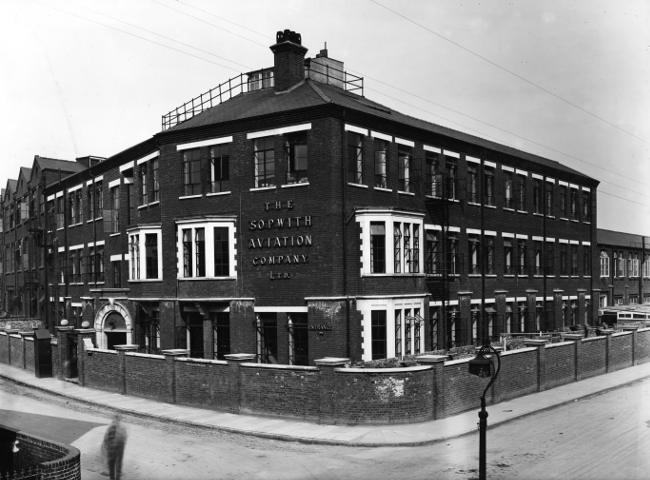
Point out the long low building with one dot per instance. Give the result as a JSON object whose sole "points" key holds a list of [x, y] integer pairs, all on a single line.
{"points": [[287, 215]]}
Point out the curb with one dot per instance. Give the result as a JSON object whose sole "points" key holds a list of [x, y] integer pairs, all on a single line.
{"points": [[316, 441]]}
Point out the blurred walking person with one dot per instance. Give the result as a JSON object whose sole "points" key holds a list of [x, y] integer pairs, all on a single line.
{"points": [[113, 447]]}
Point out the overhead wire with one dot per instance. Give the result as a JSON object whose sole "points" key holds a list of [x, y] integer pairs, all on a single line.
{"points": [[509, 71]]}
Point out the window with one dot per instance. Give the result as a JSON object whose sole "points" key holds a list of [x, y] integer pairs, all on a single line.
{"points": [[95, 200], [507, 257], [521, 193], [433, 173], [220, 168], [489, 255], [76, 261], [406, 247], [472, 184], [112, 215], [488, 180], [297, 167], [404, 165], [145, 240], [604, 264], [381, 178], [117, 274], [155, 180], [453, 258], [549, 199], [635, 265], [206, 249], [574, 260], [564, 267], [537, 258], [563, 201], [378, 247], [509, 189], [297, 327], [574, 204], [95, 270], [586, 260], [264, 162], [586, 206], [474, 254], [646, 266], [355, 157], [522, 254], [130, 203], [379, 337], [151, 255], [259, 80], [634, 299], [267, 337], [221, 327], [620, 264], [75, 201], [191, 172], [537, 195], [550, 259], [450, 180], [432, 260]]}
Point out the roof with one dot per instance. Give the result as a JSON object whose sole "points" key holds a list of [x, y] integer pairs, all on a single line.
{"points": [[56, 164], [26, 172], [622, 239], [313, 94]]}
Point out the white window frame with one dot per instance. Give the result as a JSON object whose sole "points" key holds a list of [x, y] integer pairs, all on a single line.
{"points": [[364, 218], [142, 232], [209, 227], [604, 264]]}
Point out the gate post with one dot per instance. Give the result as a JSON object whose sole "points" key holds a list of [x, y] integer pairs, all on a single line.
{"points": [[328, 388], [64, 354]]}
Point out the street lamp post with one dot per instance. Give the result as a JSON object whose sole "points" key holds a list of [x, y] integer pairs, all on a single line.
{"points": [[482, 367]]}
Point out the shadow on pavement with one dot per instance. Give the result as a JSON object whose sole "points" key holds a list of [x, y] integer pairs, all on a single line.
{"points": [[63, 430]]}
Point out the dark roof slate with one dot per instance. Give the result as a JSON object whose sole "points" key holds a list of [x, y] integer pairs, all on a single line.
{"points": [[621, 239], [56, 164], [312, 94]]}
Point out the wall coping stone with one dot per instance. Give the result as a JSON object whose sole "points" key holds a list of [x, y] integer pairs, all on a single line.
{"points": [[176, 352], [145, 355], [125, 348], [240, 357], [195, 360], [28, 339], [431, 359], [11, 331], [560, 344], [630, 329], [516, 351], [607, 331], [85, 330], [27, 334], [646, 329], [419, 368], [621, 334], [331, 361], [278, 366], [457, 361], [15, 335], [572, 336], [103, 350], [592, 339], [532, 342]]}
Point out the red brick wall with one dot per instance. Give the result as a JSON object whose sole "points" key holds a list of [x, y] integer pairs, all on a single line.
{"points": [[462, 390], [280, 390], [560, 364], [101, 370], [642, 345], [518, 375], [384, 396], [204, 383], [29, 354], [16, 350], [56, 461], [4, 347], [146, 375], [55, 358], [620, 355], [592, 357]]}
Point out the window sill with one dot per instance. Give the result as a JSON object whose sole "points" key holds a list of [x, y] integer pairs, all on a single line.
{"points": [[522, 276], [382, 189], [216, 194], [586, 276], [145, 280], [565, 219], [293, 185], [261, 189], [522, 211], [509, 276], [358, 185], [115, 234], [587, 223], [491, 276], [400, 192], [143, 206], [474, 204], [550, 216], [538, 214], [575, 221], [153, 204], [508, 209], [185, 197], [564, 276], [393, 275], [475, 275], [194, 279], [491, 206], [539, 276]]}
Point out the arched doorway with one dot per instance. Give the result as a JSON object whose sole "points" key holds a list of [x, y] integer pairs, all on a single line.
{"points": [[114, 326]]}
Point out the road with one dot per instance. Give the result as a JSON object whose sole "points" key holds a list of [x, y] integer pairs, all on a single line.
{"points": [[606, 436]]}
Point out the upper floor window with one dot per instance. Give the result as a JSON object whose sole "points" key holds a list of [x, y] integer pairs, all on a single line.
{"points": [[377, 247], [297, 151], [488, 182], [509, 189], [620, 264], [521, 192], [586, 260], [586, 206], [646, 266], [406, 247], [381, 175], [537, 195], [192, 172], [220, 168], [574, 204], [112, 213], [474, 249], [508, 264], [563, 201], [434, 177], [604, 264], [432, 252], [537, 258], [472, 183], [145, 253], [206, 249], [264, 162], [633, 267], [522, 257], [564, 268], [76, 206], [155, 180], [95, 200], [95, 270], [405, 166], [355, 157], [549, 199], [574, 260], [489, 255]]}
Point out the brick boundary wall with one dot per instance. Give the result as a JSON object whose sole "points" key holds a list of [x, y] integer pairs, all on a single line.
{"points": [[49, 459], [332, 392]]}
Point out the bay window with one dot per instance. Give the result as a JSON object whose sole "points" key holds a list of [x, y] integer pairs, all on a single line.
{"points": [[145, 253], [206, 248]]}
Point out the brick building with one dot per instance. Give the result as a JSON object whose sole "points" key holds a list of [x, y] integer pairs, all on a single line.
{"points": [[285, 214], [624, 261]]}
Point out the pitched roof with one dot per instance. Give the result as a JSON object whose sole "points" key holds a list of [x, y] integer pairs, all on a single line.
{"points": [[621, 239], [312, 94], [56, 164]]}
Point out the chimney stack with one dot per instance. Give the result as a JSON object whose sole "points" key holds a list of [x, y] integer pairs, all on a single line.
{"points": [[289, 60]]}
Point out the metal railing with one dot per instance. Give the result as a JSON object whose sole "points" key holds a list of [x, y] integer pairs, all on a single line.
{"points": [[259, 80]]}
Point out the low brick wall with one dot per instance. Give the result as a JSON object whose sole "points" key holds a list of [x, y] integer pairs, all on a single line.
{"points": [[29, 354], [518, 374], [560, 364], [55, 358], [620, 355], [642, 346], [4, 347], [16, 350], [461, 390], [45, 459], [146, 375], [206, 383], [280, 390], [593, 358], [101, 370]]}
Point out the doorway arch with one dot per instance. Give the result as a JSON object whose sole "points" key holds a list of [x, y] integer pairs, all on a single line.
{"points": [[113, 326]]}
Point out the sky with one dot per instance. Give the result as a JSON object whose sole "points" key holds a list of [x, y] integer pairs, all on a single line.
{"points": [[567, 80]]}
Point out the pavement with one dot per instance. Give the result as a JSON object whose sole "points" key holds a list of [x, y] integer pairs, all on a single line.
{"points": [[351, 435]]}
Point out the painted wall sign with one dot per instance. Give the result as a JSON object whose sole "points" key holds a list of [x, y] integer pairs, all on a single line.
{"points": [[321, 327]]}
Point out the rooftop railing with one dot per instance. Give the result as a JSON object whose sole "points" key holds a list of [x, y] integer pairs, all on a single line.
{"points": [[259, 80]]}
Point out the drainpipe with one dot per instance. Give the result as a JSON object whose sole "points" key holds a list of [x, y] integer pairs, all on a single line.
{"points": [[344, 248]]}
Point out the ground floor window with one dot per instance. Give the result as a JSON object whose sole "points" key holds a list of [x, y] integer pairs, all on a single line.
{"points": [[221, 329], [147, 332], [297, 327], [379, 340], [189, 335], [267, 337]]}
